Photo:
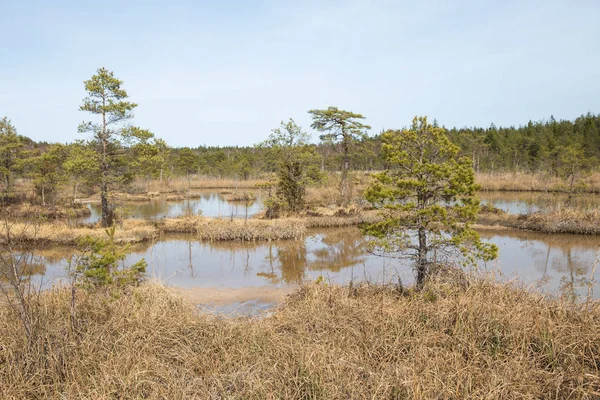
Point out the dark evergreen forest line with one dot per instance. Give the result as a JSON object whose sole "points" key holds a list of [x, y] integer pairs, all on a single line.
{"points": [[551, 147]]}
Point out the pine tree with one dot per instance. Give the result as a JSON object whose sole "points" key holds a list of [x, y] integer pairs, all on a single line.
{"points": [[108, 100], [11, 151], [290, 146], [341, 127], [427, 200]]}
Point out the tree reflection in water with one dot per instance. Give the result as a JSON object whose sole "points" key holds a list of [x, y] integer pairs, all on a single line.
{"points": [[207, 202], [344, 248], [330, 250], [337, 254], [566, 257]]}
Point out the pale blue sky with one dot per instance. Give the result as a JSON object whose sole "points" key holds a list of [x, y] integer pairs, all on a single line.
{"points": [[226, 72]]}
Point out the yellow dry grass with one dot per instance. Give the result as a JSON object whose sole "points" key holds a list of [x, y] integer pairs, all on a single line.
{"points": [[32, 211], [560, 219], [237, 229], [523, 182], [181, 184], [240, 196], [204, 228], [330, 194], [130, 231], [485, 341], [340, 217]]}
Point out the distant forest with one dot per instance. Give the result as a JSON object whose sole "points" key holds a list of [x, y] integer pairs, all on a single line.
{"points": [[534, 148], [537, 147]]}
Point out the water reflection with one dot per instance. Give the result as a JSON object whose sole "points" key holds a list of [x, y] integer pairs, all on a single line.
{"points": [[554, 262], [340, 255], [212, 203], [528, 202], [20, 266], [209, 203]]}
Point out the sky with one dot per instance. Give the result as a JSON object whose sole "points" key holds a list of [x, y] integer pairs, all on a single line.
{"points": [[227, 72]]}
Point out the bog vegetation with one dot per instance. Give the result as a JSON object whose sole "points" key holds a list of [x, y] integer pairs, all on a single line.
{"points": [[478, 340], [561, 155], [106, 333]]}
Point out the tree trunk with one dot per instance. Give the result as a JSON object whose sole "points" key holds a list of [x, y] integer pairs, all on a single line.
{"points": [[107, 213], [43, 196], [346, 167], [422, 259], [572, 183], [75, 192], [5, 192]]}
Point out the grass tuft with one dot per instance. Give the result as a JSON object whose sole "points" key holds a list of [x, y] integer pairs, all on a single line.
{"points": [[482, 340], [523, 182], [237, 229]]}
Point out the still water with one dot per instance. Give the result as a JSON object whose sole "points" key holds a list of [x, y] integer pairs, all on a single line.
{"points": [[529, 202], [208, 203], [214, 204], [550, 262]]}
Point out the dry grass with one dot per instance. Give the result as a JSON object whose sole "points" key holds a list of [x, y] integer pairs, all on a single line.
{"points": [[204, 228], [134, 197], [181, 184], [130, 231], [533, 182], [175, 197], [322, 196], [236, 229], [559, 219], [487, 341], [340, 217], [330, 194], [125, 197], [26, 210], [262, 229], [563, 220], [240, 196], [183, 196]]}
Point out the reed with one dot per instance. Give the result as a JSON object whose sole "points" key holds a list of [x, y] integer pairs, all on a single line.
{"points": [[31, 211], [328, 195], [240, 196], [563, 220], [333, 221], [481, 340], [60, 232], [214, 229], [181, 184], [133, 197], [524, 182], [559, 219], [204, 228]]}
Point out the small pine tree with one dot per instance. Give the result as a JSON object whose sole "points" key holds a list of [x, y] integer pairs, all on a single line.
{"points": [[427, 199], [291, 185], [102, 263], [343, 127]]}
